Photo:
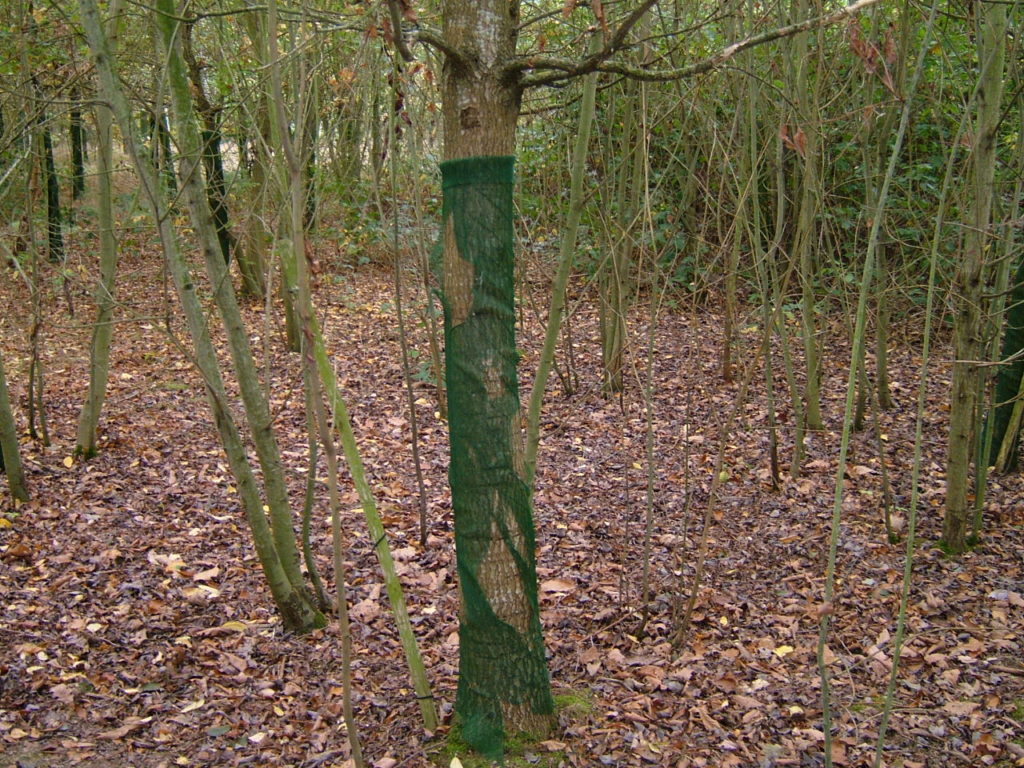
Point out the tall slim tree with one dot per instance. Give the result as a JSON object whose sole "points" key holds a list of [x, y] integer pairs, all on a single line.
{"points": [[973, 276], [54, 216], [213, 161], [272, 530], [102, 329], [10, 456], [503, 675], [77, 135], [1005, 414]]}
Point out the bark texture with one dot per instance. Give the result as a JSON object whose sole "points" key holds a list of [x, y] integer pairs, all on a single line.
{"points": [[972, 282], [503, 677]]}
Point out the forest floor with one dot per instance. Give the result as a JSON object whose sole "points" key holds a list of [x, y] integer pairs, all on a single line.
{"points": [[136, 630]]}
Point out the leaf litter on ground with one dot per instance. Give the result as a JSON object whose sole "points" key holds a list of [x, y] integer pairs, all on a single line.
{"points": [[136, 629]]}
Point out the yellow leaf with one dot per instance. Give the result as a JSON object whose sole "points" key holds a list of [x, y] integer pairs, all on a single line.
{"points": [[69, 462], [637, 465], [206, 575], [192, 706], [455, 763], [783, 650], [5, 523], [724, 621], [237, 626]]}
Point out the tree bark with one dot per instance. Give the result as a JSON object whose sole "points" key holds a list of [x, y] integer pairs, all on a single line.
{"points": [[77, 134], [503, 678], [102, 329], [213, 163], [1008, 380], [972, 280], [54, 217], [9, 451]]}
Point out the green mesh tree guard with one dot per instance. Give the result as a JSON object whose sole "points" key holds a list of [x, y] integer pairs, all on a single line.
{"points": [[503, 675]]}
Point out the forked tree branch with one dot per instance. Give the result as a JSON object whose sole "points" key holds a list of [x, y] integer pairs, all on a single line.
{"points": [[549, 70]]}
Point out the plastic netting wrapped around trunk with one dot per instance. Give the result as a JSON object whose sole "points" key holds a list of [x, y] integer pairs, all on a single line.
{"points": [[503, 677]]}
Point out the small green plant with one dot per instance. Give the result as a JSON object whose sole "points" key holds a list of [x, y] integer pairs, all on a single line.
{"points": [[424, 372]]}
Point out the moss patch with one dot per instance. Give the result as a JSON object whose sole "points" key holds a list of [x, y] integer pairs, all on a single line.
{"points": [[523, 750], [574, 705]]}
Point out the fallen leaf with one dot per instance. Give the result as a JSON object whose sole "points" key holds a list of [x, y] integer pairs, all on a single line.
{"points": [[64, 693], [365, 610], [131, 724], [557, 585], [960, 708], [206, 575]]}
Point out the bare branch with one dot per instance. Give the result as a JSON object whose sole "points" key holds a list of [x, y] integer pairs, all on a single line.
{"points": [[436, 40], [553, 70], [592, 63], [618, 38], [397, 32]]}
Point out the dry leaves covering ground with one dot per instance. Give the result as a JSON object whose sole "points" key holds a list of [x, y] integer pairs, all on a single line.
{"points": [[135, 629]]}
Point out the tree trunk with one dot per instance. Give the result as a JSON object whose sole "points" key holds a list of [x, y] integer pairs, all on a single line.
{"points": [[9, 451], [280, 567], [1008, 380], [77, 132], [503, 677], [162, 148], [311, 131], [972, 278], [102, 329], [256, 409], [567, 251], [613, 283], [805, 140], [213, 163], [54, 218]]}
